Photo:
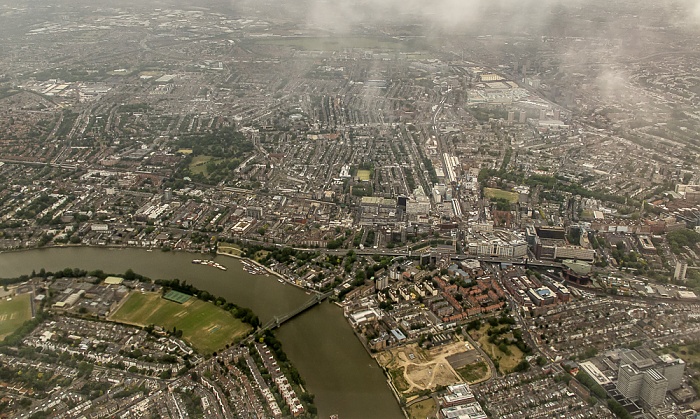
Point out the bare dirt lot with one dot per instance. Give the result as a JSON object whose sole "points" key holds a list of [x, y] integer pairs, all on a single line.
{"points": [[414, 369]]}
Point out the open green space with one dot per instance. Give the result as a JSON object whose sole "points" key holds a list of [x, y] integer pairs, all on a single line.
{"points": [[679, 239], [507, 360], [397, 377], [492, 193], [587, 214], [422, 410], [199, 164], [473, 372], [177, 297], [363, 189], [205, 326], [13, 313], [364, 174], [230, 249], [690, 352], [337, 43]]}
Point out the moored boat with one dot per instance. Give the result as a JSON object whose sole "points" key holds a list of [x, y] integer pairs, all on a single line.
{"points": [[209, 263]]}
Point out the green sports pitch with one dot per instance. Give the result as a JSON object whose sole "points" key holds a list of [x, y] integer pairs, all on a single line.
{"points": [[511, 197], [364, 175], [177, 297], [205, 326], [13, 313]]}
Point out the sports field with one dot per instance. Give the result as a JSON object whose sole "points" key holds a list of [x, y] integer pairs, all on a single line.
{"points": [[204, 326], [14, 313], [511, 197], [177, 297], [364, 174]]}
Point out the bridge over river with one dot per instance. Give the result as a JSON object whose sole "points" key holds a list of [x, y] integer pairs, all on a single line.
{"points": [[277, 321]]}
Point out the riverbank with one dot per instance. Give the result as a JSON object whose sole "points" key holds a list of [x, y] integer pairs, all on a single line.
{"points": [[268, 270], [389, 381], [320, 343], [148, 249], [102, 246]]}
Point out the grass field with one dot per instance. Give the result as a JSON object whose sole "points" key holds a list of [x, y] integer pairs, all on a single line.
{"points": [[587, 214], [14, 313], [364, 174], [199, 164], [690, 352], [506, 362], [511, 197], [230, 249], [422, 410], [473, 372], [205, 326], [259, 255]]}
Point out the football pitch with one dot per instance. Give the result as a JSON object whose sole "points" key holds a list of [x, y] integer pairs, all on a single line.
{"points": [[364, 175], [14, 313], [205, 326], [511, 197]]}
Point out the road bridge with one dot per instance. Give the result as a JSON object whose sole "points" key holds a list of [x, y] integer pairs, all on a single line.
{"points": [[277, 321]]}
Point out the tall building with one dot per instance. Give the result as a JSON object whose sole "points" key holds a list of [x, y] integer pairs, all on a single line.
{"points": [[672, 368], [629, 381], [523, 117], [644, 376], [654, 387], [255, 212], [649, 385], [681, 269], [381, 282]]}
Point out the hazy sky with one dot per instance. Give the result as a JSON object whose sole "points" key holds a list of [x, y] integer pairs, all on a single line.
{"points": [[463, 15]]}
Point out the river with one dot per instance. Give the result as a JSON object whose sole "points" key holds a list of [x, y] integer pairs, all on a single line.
{"points": [[321, 344]]}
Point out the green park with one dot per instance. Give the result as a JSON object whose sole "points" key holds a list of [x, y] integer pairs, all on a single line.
{"points": [[14, 312], [205, 326]]}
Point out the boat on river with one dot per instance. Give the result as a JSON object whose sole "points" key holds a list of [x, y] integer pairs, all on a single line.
{"points": [[252, 268], [209, 263]]}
